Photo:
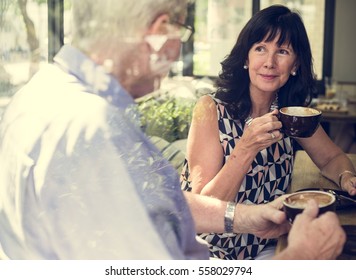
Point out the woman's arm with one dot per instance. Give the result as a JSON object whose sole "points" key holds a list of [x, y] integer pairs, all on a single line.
{"points": [[331, 160], [205, 155]]}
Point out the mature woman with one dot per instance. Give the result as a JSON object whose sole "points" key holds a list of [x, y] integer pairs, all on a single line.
{"points": [[235, 150]]}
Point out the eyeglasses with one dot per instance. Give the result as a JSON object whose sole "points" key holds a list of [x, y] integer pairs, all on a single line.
{"points": [[185, 31]]}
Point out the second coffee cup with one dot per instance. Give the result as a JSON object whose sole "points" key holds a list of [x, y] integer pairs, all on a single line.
{"points": [[295, 203]]}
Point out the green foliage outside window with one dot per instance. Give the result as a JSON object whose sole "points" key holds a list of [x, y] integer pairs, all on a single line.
{"points": [[166, 117]]}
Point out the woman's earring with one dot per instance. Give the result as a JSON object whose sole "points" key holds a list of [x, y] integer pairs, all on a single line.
{"points": [[245, 66], [294, 73]]}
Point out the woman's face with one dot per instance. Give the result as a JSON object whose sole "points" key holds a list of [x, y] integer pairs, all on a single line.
{"points": [[270, 65]]}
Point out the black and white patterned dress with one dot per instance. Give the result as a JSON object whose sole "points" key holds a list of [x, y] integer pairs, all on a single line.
{"points": [[267, 178]]}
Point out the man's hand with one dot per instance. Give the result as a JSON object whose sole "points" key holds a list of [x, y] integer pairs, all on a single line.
{"points": [[264, 220], [313, 237]]}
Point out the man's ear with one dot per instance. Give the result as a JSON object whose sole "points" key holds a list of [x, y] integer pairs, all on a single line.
{"points": [[159, 25]]}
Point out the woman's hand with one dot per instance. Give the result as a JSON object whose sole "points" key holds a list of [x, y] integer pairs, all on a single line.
{"points": [[348, 183], [263, 131]]}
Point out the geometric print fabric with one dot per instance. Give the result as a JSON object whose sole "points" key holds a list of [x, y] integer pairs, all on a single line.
{"points": [[267, 178]]}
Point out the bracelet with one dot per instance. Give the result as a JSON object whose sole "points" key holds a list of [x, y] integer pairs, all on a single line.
{"points": [[229, 217], [343, 173]]}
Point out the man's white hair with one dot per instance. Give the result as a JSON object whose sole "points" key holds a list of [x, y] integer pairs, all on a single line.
{"points": [[120, 19]]}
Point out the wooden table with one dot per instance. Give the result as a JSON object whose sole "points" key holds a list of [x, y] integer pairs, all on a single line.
{"points": [[307, 175]]}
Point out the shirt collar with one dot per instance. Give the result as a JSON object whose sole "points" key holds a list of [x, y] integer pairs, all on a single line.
{"points": [[94, 76]]}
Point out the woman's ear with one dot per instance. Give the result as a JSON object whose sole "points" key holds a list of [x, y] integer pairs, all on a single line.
{"points": [[159, 25], [296, 66], [246, 64]]}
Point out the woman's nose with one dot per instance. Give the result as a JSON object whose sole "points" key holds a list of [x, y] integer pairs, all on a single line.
{"points": [[270, 61]]}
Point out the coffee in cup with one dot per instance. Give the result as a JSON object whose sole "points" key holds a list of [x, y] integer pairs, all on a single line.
{"points": [[299, 121], [295, 203]]}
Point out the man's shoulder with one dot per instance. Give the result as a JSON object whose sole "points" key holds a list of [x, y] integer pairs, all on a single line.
{"points": [[54, 101]]}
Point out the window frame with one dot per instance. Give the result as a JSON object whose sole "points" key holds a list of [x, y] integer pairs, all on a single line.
{"points": [[55, 27]]}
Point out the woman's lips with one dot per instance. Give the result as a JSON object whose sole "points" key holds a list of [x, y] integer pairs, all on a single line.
{"points": [[268, 77]]}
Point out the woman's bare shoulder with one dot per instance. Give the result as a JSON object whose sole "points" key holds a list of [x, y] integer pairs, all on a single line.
{"points": [[204, 107], [206, 102]]}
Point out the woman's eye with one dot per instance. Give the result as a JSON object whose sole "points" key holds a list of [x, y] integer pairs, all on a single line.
{"points": [[283, 51], [259, 48]]}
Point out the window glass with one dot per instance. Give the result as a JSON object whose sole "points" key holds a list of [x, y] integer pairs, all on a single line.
{"points": [[217, 25], [67, 21], [23, 47], [312, 12]]}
